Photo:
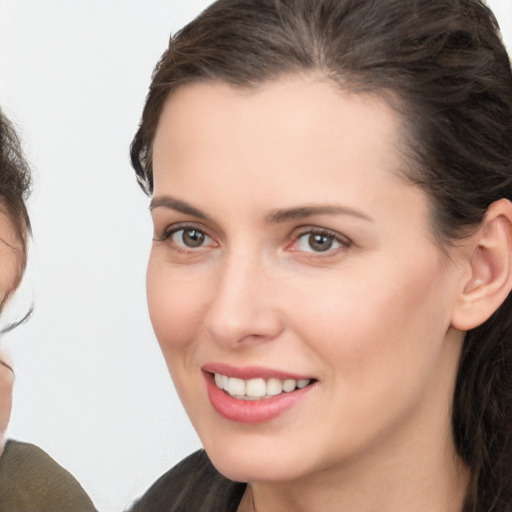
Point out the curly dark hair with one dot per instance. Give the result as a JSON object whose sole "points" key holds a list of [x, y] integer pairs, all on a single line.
{"points": [[15, 184], [443, 66]]}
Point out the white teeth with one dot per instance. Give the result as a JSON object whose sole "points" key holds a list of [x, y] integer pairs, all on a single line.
{"points": [[274, 387], [289, 385], [256, 389], [236, 386]]}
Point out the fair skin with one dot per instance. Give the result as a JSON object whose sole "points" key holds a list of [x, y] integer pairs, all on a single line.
{"points": [[238, 284], [10, 275], [6, 388]]}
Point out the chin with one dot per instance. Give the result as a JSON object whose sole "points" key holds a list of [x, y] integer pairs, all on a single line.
{"points": [[252, 462], [252, 471]]}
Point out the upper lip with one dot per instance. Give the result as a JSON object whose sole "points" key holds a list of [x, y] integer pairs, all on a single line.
{"points": [[252, 372]]}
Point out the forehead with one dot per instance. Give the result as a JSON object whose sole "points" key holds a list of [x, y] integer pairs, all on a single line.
{"points": [[294, 95], [294, 116], [301, 122]]}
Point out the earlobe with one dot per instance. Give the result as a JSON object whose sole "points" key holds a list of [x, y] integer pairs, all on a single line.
{"points": [[490, 263]]}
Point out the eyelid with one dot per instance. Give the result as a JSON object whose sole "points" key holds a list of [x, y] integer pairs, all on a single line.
{"points": [[170, 229]]}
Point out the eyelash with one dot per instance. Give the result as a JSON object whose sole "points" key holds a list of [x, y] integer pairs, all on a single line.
{"points": [[342, 240]]}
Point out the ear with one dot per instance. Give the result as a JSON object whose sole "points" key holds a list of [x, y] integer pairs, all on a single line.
{"points": [[490, 263]]}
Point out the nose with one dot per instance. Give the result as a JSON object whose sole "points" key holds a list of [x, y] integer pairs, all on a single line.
{"points": [[244, 309]]}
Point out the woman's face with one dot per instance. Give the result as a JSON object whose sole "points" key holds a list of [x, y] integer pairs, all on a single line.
{"points": [[10, 273], [291, 261]]}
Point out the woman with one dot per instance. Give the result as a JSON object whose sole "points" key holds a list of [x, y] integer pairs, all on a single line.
{"points": [[30, 480], [330, 275], [14, 230]]}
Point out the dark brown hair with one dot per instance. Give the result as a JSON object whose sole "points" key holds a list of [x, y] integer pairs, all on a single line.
{"points": [[443, 66], [15, 183]]}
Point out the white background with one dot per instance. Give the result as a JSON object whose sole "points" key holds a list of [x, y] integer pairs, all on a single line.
{"points": [[92, 388]]}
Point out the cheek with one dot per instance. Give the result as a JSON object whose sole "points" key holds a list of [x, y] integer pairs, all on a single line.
{"points": [[378, 339], [175, 305], [375, 322]]}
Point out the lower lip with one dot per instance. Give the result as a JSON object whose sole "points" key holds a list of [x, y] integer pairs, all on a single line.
{"points": [[251, 411]]}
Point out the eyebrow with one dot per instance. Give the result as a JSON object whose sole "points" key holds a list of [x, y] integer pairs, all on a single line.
{"points": [[177, 205], [274, 217], [302, 212]]}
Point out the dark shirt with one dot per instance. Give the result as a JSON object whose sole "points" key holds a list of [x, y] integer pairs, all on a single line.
{"points": [[31, 481], [194, 485]]}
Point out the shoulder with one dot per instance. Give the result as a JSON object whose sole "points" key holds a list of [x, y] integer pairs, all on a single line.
{"points": [[31, 480], [193, 485]]}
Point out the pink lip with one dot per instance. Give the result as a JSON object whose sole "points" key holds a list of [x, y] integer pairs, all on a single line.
{"points": [[251, 411], [251, 372]]}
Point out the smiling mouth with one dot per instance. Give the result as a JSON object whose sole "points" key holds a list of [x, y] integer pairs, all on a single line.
{"points": [[258, 389]]}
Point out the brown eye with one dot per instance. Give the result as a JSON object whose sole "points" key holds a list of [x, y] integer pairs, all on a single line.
{"points": [[190, 238], [320, 243]]}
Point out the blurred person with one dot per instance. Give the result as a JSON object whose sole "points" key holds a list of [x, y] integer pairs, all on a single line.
{"points": [[30, 480]]}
